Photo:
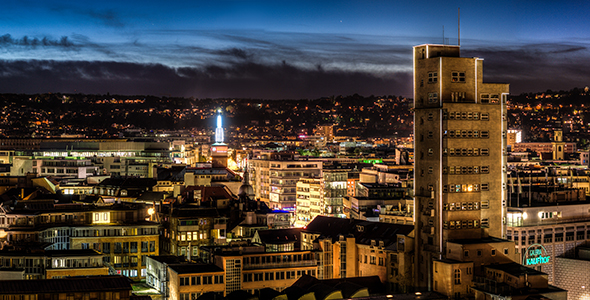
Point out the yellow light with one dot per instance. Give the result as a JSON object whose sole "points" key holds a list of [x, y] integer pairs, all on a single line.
{"points": [[151, 211], [525, 215]]}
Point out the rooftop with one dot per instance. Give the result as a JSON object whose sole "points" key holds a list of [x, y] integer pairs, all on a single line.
{"points": [[82, 284]]}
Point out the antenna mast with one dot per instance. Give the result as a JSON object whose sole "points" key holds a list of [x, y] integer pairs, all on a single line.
{"points": [[459, 26]]}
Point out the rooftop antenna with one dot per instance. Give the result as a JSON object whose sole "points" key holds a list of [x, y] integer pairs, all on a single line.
{"points": [[459, 26]]}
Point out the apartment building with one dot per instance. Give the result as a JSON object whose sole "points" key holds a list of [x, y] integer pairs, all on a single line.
{"points": [[274, 178], [310, 200], [52, 264], [119, 232], [353, 248]]}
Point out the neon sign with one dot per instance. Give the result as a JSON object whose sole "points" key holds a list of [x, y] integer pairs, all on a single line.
{"points": [[535, 256], [371, 161]]}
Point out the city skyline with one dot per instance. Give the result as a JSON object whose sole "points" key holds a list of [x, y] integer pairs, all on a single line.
{"points": [[280, 50]]}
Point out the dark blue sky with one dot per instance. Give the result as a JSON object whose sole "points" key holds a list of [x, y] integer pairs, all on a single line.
{"points": [[281, 49]]}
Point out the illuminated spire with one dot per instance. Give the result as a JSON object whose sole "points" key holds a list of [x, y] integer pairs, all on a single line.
{"points": [[219, 130]]}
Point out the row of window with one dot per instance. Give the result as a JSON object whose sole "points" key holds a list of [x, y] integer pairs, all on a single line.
{"points": [[373, 260], [466, 224], [465, 188], [282, 275], [67, 296], [465, 115], [199, 280], [550, 238], [125, 247], [192, 236], [461, 206], [463, 170], [125, 231], [484, 134], [465, 151], [456, 76], [277, 258]]}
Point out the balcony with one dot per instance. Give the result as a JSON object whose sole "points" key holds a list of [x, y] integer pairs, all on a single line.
{"points": [[189, 228], [291, 264]]}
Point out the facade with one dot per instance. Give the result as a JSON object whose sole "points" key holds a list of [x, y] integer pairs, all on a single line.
{"points": [[274, 178], [568, 270], [255, 271], [251, 267], [187, 228], [554, 228], [118, 232], [189, 281], [310, 200], [548, 147], [352, 248], [513, 281], [76, 288], [460, 148], [335, 187], [54, 264], [74, 168]]}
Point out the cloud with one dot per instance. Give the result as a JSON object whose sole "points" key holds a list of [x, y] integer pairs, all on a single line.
{"points": [[262, 64], [535, 67], [106, 17], [241, 80]]}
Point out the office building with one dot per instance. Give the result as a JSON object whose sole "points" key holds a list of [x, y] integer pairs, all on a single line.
{"points": [[460, 147]]}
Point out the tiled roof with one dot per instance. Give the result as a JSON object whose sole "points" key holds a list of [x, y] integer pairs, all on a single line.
{"points": [[363, 231], [279, 236]]}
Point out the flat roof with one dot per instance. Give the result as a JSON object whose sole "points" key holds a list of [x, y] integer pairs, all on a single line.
{"points": [[515, 269], [190, 268], [485, 240]]}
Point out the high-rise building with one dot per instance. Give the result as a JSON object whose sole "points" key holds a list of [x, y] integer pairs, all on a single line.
{"points": [[460, 162]]}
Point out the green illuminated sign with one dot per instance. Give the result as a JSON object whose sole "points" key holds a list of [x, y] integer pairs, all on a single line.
{"points": [[372, 161], [536, 254]]}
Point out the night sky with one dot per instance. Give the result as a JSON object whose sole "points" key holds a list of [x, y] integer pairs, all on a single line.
{"points": [[281, 49]]}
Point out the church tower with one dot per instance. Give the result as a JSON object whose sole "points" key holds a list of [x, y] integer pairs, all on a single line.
{"points": [[219, 148]]}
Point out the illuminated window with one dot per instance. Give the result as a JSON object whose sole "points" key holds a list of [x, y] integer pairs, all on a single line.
{"points": [[495, 98]]}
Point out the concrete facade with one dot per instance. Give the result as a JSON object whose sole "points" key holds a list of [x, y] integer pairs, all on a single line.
{"points": [[460, 148]]}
